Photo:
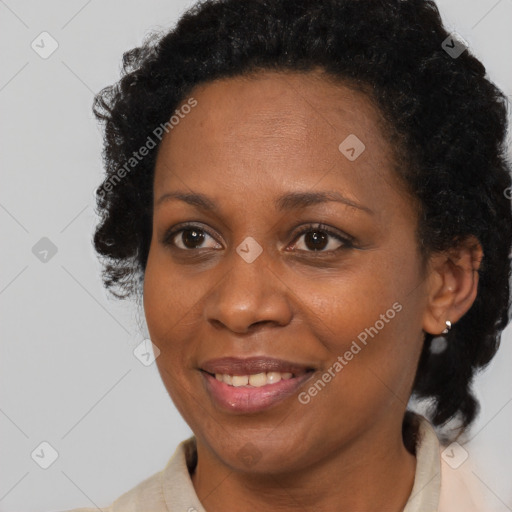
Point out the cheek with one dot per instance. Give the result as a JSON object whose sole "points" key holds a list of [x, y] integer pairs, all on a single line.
{"points": [[167, 310], [361, 304], [174, 302], [371, 318], [166, 304]]}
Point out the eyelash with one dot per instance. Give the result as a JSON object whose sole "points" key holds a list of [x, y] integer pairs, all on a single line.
{"points": [[347, 241]]}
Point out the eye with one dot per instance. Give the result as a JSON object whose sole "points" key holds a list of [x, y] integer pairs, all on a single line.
{"points": [[318, 238], [190, 237]]}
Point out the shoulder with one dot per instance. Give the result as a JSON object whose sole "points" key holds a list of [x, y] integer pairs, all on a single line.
{"points": [[147, 493], [152, 493], [444, 480], [103, 509], [461, 488]]}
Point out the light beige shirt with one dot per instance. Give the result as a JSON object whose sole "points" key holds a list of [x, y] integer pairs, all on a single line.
{"points": [[439, 486]]}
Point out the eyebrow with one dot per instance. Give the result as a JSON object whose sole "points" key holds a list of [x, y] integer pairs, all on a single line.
{"points": [[286, 202]]}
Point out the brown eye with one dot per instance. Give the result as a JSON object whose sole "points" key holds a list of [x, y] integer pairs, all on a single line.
{"points": [[321, 239], [316, 240], [190, 237]]}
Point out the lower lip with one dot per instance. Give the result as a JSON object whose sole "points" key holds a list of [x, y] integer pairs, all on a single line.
{"points": [[252, 399]]}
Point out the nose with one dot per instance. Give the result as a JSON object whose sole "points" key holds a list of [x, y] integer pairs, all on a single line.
{"points": [[250, 295]]}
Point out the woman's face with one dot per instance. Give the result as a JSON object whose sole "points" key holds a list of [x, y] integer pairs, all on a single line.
{"points": [[242, 281]]}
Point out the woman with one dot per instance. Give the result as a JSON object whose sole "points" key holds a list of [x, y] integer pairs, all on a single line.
{"points": [[311, 198]]}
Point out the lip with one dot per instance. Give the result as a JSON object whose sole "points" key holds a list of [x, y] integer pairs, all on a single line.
{"points": [[243, 400], [252, 365]]}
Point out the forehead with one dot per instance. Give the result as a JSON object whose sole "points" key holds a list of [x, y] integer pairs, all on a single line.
{"points": [[270, 131]]}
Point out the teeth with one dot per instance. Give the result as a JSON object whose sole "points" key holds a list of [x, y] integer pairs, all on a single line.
{"points": [[256, 380], [240, 380], [273, 377]]}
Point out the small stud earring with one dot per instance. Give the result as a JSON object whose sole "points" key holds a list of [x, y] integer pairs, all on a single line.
{"points": [[448, 327]]}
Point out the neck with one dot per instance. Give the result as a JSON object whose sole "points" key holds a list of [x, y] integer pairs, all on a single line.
{"points": [[376, 473]]}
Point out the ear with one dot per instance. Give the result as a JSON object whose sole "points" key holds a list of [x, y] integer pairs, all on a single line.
{"points": [[452, 284]]}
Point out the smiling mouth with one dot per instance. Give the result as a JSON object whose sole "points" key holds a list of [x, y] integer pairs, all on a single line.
{"points": [[255, 380], [273, 369], [253, 384]]}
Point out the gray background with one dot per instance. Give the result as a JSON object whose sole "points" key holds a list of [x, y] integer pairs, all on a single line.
{"points": [[67, 369]]}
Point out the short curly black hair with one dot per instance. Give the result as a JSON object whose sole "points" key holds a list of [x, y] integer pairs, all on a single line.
{"points": [[449, 122]]}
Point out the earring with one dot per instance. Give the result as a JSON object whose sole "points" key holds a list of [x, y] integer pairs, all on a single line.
{"points": [[448, 327], [439, 343]]}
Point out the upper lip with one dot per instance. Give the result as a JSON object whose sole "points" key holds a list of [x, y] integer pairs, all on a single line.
{"points": [[252, 365]]}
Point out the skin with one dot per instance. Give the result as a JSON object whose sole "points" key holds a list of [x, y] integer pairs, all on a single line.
{"points": [[247, 142]]}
